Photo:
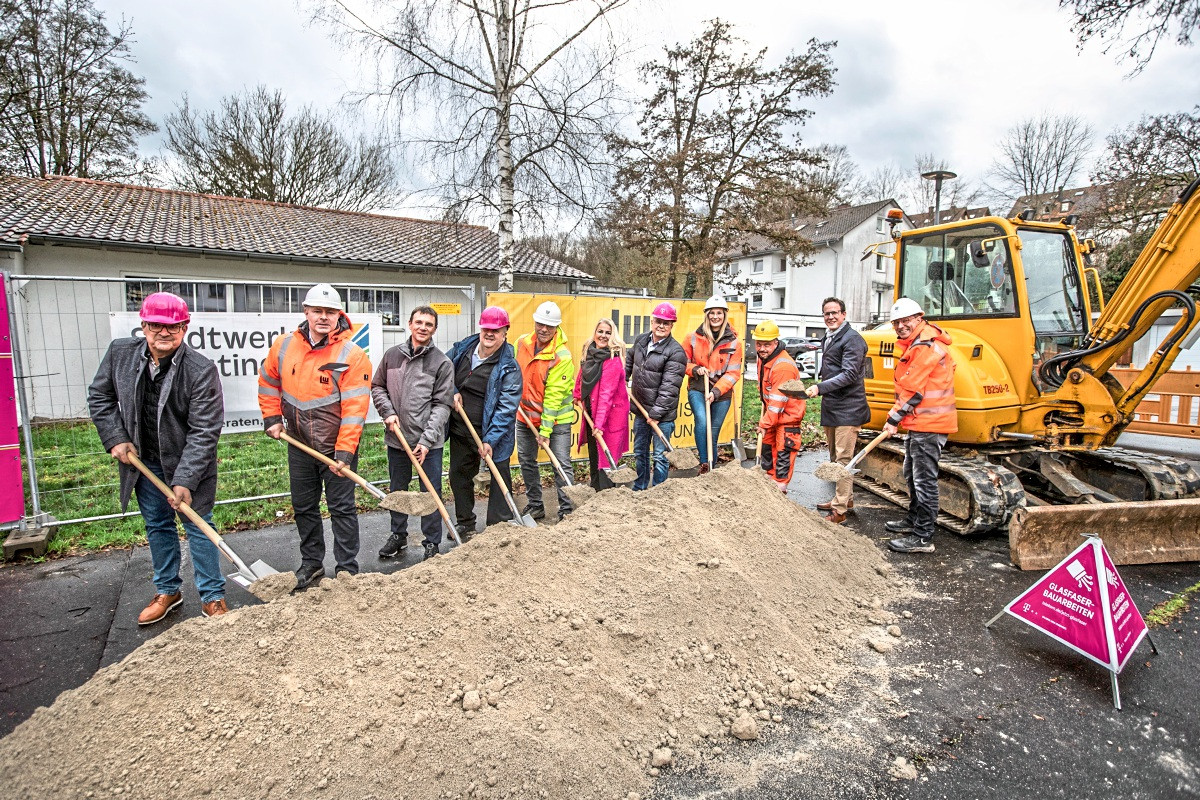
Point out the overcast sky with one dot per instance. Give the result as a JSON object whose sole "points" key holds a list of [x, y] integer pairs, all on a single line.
{"points": [[943, 76]]}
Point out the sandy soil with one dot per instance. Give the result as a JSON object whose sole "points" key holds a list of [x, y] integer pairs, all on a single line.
{"points": [[646, 632]]}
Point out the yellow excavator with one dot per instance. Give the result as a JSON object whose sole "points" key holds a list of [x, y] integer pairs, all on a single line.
{"points": [[1039, 412]]}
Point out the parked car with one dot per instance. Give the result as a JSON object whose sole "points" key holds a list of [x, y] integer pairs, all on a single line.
{"points": [[797, 346]]}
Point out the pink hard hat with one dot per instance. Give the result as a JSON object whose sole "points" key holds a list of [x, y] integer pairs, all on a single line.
{"points": [[664, 311], [493, 318], [164, 308]]}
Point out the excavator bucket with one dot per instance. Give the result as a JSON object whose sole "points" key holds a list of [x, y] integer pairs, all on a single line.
{"points": [[1154, 532]]}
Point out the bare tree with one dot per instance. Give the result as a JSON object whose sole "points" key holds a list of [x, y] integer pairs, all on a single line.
{"points": [[883, 183], [250, 147], [718, 157], [1148, 21], [518, 95], [835, 177], [1041, 155], [69, 106], [960, 192]]}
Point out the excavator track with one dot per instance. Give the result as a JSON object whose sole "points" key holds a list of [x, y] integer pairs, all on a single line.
{"points": [[976, 496], [1165, 478]]}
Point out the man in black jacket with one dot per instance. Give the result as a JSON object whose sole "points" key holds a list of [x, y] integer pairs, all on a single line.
{"points": [[158, 399], [656, 363], [843, 398]]}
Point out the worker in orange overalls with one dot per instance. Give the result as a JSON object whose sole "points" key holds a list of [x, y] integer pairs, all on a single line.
{"points": [[779, 425], [317, 382]]}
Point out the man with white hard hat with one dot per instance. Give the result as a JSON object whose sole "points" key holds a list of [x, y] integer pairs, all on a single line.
{"points": [[316, 384], [547, 376], [925, 407]]}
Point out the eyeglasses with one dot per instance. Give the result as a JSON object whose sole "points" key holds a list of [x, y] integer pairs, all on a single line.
{"points": [[156, 327], [832, 313]]}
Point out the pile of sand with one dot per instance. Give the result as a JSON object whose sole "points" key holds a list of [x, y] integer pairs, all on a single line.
{"points": [[647, 631]]}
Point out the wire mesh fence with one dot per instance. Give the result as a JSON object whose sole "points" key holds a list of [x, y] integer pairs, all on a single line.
{"points": [[64, 330]]}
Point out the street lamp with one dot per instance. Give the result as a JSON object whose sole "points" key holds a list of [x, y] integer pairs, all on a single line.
{"points": [[937, 176]]}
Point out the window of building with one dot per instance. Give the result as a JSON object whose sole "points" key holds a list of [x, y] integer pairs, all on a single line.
{"points": [[757, 266], [879, 224], [199, 296], [385, 302], [782, 264], [268, 299], [756, 300], [782, 294], [879, 267], [1065, 206]]}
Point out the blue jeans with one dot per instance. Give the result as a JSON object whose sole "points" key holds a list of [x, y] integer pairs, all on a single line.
{"points": [[921, 454], [720, 410], [643, 439], [163, 536]]}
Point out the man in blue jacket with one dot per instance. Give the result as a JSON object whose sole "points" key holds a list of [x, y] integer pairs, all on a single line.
{"points": [[487, 384]]}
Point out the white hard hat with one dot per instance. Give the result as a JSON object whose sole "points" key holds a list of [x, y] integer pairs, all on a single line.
{"points": [[904, 307], [716, 301], [548, 313], [323, 296]]}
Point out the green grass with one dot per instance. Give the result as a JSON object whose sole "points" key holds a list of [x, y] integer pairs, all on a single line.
{"points": [[811, 432], [1172, 608]]}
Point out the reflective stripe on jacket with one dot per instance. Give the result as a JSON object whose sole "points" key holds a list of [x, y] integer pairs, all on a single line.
{"points": [[547, 377], [722, 360], [778, 408], [324, 410], [924, 381]]}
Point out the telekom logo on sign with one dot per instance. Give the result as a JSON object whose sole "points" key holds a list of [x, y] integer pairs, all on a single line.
{"points": [[1083, 604]]}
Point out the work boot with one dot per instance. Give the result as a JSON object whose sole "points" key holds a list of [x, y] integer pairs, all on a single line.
{"points": [[536, 512], [829, 506], [394, 544], [308, 573], [215, 608], [911, 544], [898, 526], [431, 550], [465, 532], [704, 468], [159, 607]]}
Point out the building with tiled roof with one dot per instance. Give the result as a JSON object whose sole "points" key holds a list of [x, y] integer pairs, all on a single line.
{"points": [[790, 291], [1053, 206], [952, 214]]}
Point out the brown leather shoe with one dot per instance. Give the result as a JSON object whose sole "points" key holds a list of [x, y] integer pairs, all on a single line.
{"points": [[159, 607], [214, 609], [829, 506], [834, 517], [704, 468]]}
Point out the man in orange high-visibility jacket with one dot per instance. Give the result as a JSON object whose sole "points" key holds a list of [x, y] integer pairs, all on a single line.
{"points": [[782, 414], [317, 383], [925, 407]]}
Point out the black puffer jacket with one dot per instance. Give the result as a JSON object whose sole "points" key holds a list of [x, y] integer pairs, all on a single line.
{"points": [[657, 376]]}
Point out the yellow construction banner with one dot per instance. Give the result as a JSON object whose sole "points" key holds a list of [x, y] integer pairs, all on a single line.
{"points": [[632, 318]]}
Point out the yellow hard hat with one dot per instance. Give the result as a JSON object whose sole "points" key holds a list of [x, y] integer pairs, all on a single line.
{"points": [[765, 331]]}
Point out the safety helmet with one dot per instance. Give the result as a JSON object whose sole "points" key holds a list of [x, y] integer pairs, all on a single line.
{"points": [[548, 313], [716, 301], [164, 308], [324, 296], [765, 331], [493, 318], [904, 307], [664, 311]]}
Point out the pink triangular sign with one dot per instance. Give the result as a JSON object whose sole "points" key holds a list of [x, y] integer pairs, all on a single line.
{"points": [[1083, 603]]}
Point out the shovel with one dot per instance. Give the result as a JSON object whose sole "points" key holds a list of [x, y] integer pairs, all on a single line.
{"points": [[578, 495], [621, 474], [525, 520], [679, 459], [834, 472], [244, 576], [739, 449], [418, 503], [708, 443], [429, 487]]}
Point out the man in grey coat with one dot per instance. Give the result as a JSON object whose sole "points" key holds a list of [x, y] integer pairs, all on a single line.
{"points": [[412, 390], [843, 398], [159, 400]]}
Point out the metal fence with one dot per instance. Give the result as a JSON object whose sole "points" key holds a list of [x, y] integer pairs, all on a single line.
{"points": [[62, 330]]}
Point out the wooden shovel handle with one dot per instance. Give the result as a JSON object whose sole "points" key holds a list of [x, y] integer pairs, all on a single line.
{"points": [[324, 459], [428, 484], [870, 446], [512, 504], [653, 424], [598, 437], [545, 449], [708, 445], [190, 513]]}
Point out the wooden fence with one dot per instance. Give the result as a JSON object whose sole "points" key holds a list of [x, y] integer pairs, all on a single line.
{"points": [[1172, 408]]}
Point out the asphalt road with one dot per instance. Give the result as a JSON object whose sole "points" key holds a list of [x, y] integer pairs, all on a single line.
{"points": [[978, 713]]}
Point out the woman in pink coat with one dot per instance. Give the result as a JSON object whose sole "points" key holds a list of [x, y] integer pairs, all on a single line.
{"points": [[600, 388]]}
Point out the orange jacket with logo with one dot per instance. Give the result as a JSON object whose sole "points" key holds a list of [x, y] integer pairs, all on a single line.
{"points": [[924, 381], [323, 409], [722, 359], [778, 408], [547, 378]]}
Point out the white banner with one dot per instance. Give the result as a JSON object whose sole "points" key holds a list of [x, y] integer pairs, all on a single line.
{"points": [[237, 343]]}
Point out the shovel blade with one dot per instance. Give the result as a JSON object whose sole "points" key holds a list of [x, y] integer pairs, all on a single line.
{"points": [[256, 571]]}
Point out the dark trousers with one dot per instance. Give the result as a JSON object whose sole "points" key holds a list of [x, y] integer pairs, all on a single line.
{"points": [[921, 454], [600, 479], [400, 475], [308, 477], [464, 464]]}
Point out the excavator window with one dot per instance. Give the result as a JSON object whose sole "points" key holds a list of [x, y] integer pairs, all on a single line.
{"points": [[958, 273]]}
